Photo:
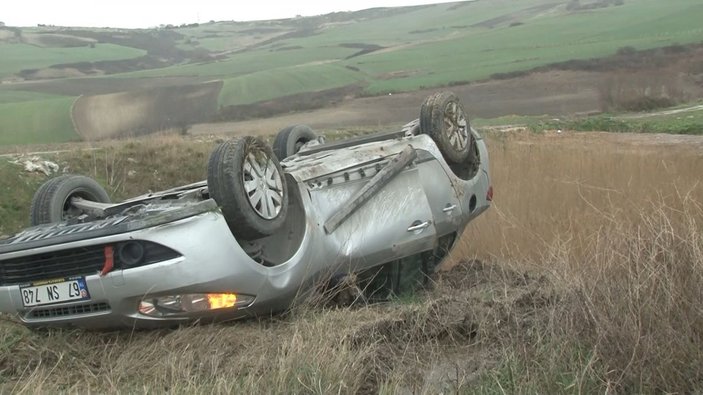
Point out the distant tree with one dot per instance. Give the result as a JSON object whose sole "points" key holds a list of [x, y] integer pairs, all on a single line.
{"points": [[2, 23]]}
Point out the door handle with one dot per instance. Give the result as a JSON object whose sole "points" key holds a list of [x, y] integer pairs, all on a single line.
{"points": [[449, 208], [418, 226]]}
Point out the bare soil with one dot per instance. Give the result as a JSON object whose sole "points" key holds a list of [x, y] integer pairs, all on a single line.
{"points": [[143, 112]]}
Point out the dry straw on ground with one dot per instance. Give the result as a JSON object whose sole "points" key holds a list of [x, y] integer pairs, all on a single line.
{"points": [[588, 279]]}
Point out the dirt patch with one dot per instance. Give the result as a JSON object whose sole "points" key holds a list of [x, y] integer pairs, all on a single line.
{"points": [[99, 86], [142, 112], [397, 74], [10, 34], [363, 48], [292, 103]]}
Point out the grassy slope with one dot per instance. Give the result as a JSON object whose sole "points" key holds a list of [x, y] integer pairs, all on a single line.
{"points": [[437, 44], [17, 57], [428, 46], [125, 169], [641, 24], [11, 96], [269, 84]]}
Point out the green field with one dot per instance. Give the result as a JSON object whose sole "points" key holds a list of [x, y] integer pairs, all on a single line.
{"points": [[544, 40], [17, 57], [443, 44], [10, 96], [384, 49], [37, 121], [269, 84], [251, 62]]}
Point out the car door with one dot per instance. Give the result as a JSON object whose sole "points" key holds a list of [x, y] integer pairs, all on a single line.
{"points": [[442, 195], [394, 223]]}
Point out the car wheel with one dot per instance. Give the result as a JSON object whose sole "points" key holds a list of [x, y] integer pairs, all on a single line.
{"points": [[444, 119], [52, 201], [290, 139], [247, 182]]}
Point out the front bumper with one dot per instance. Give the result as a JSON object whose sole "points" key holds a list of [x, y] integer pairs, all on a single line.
{"points": [[210, 261]]}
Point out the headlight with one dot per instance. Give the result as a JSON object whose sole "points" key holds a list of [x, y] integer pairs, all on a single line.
{"points": [[162, 306]]}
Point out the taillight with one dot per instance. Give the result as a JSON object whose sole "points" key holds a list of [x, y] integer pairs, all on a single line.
{"points": [[489, 194]]}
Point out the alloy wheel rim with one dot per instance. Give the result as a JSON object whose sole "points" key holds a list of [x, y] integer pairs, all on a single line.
{"points": [[456, 126], [263, 185]]}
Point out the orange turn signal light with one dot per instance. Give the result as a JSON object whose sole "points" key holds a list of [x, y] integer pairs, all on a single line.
{"points": [[221, 301]]}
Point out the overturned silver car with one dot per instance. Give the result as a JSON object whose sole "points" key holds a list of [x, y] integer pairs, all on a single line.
{"points": [[267, 225]]}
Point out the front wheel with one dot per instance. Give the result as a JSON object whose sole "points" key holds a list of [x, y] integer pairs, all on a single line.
{"points": [[52, 201], [247, 182]]}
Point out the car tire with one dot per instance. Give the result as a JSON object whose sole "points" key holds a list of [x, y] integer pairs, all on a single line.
{"points": [[290, 139], [52, 201], [443, 118], [253, 202]]}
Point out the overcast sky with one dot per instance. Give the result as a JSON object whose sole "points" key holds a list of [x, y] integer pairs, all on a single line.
{"points": [[148, 13]]}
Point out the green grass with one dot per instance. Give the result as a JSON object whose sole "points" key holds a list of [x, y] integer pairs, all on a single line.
{"points": [[640, 24], [40, 121], [438, 45], [250, 62], [425, 47], [16, 188], [688, 121], [269, 84], [11, 96], [124, 168], [17, 57], [684, 123]]}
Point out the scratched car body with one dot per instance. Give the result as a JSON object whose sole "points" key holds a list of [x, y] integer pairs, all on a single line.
{"points": [[197, 252]]}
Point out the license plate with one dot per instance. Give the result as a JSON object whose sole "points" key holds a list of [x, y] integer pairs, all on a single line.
{"points": [[54, 291]]}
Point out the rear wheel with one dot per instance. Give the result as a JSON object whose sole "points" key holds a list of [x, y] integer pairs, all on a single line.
{"points": [[443, 118], [247, 182], [290, 139], [52, 201]]}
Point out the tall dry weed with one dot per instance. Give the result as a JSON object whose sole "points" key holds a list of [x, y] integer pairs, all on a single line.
{"points": [[642, 296]]}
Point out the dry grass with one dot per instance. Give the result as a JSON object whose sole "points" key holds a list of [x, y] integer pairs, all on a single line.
{"points": [[564, 188], [588, 279]]}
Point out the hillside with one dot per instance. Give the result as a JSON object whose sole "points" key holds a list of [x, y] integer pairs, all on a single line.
{"points": [[325, 59]]}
